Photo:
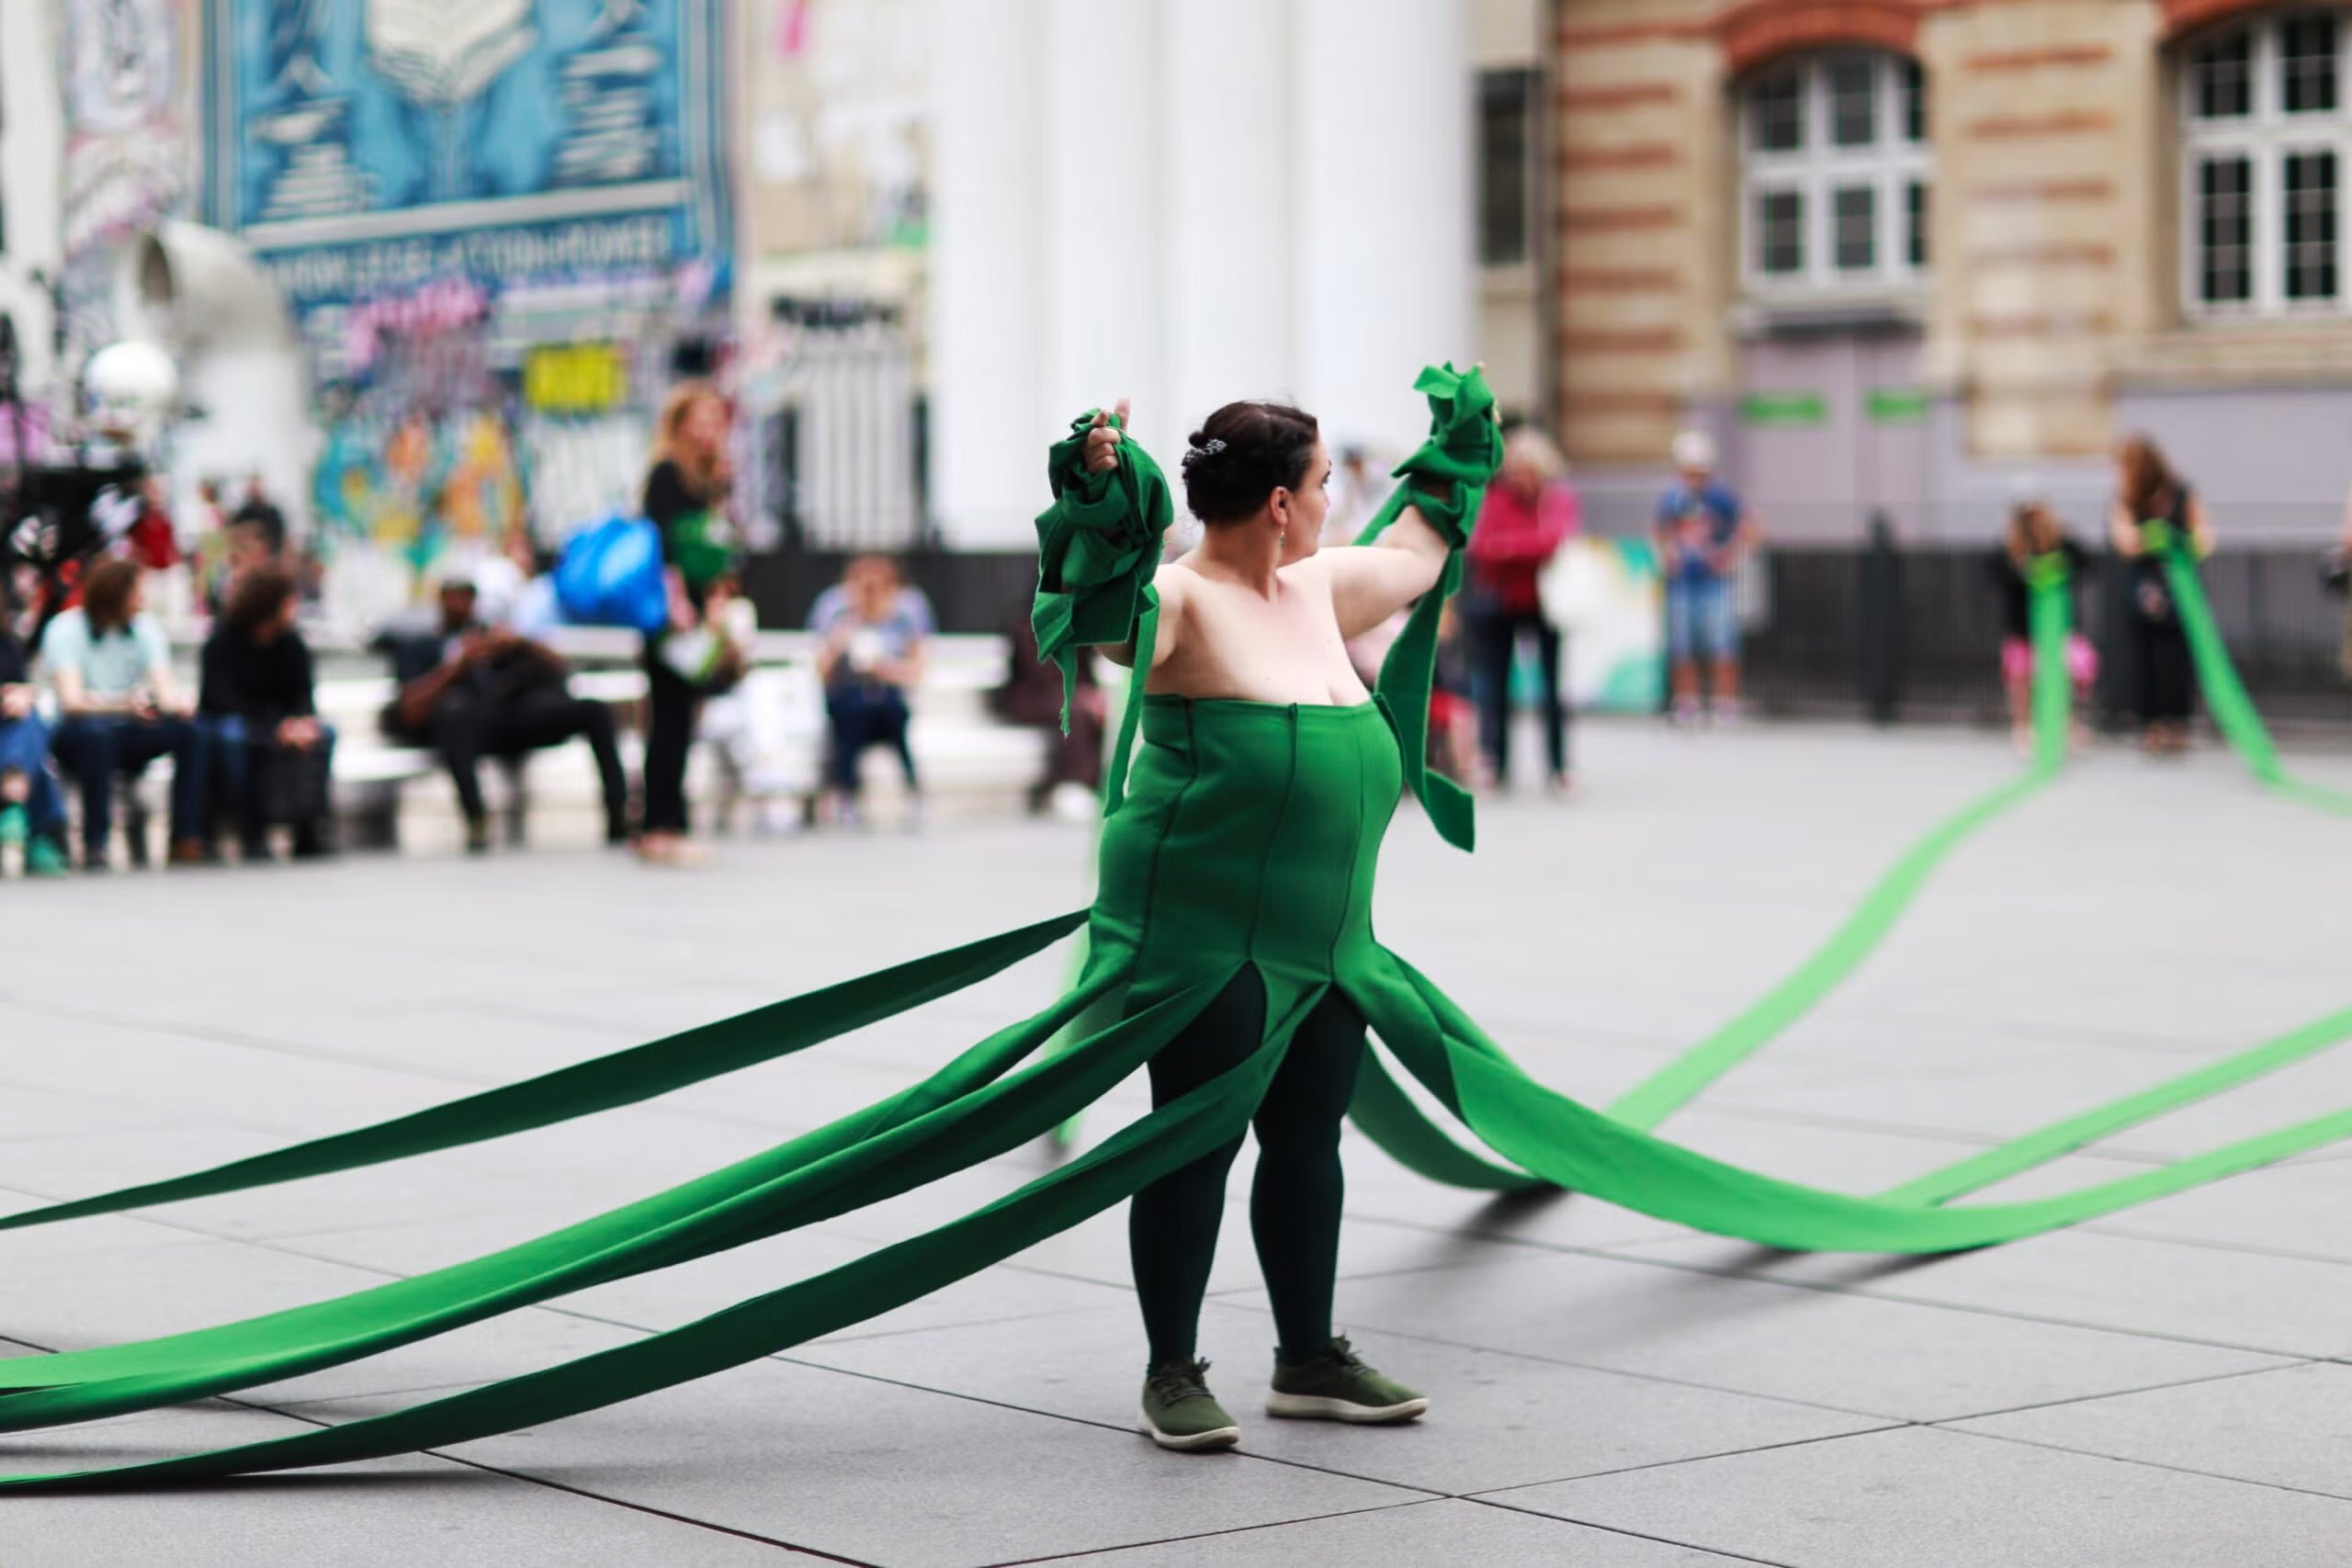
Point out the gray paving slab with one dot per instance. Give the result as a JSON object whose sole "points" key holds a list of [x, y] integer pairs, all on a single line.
{"points": [[881, 1473], [1496, 1421], [1898, 1359], [2293, 1306], [1448, 1531], [2291, 1427], [2302, 1208], [1931, 1498], [396, 1513]]}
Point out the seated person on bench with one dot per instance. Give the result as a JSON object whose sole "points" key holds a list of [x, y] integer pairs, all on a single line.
{"points": [[121, 709], [272, 757], [475, 691]]}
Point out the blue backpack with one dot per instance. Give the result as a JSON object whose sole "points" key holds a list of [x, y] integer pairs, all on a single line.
{"points": [[611, 575]]}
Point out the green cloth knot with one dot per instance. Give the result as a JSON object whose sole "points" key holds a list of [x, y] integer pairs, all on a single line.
{"points": [[2159, 535], [1098, 548], [2046, 571]]}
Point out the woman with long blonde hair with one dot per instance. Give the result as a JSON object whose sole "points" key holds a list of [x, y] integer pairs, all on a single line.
{"points": [[684, 497], [2149, 491]]}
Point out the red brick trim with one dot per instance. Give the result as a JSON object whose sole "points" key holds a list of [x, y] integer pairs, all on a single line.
{"points": [[1756, 31], [2188, 15], [1646, 342], [1617, 220], [2087, 189], [2039, 59], [2049, 254], [2064, 122], [1602, 160], [1624, 95]]}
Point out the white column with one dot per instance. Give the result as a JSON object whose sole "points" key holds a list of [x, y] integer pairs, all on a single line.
{"points": [[1226, 192], [987, 303], [1099, 174], [1384, 264]]}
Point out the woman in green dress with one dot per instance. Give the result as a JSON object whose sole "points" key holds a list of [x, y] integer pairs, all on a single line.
{"points": [[1258, 732]]}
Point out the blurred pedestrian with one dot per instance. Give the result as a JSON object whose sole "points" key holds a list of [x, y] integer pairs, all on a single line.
{"points": [[111, 668], [476, 691], [272, 755], [1032, 695], [2148, 492], [1529, 512], [871, 627], [685, 495], [1705, 531], [32, 807], [2034, 535], [262, 513]]}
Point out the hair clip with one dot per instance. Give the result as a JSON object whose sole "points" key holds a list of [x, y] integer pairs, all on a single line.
{"points": [[1212, 446]]}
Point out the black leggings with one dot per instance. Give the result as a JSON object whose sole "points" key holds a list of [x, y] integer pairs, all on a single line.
{"points": [[1295, 1204], [673, 702], [1494, 643]]}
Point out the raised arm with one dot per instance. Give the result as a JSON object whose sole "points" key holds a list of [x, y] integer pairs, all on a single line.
{"points": [[1371, 582]]}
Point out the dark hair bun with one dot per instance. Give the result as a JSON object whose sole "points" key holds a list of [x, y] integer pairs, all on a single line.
{"points": [[1242, 454]]}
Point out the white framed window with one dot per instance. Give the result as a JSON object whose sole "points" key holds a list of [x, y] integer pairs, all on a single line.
{"points": [[1835, 171], [2266, 145]]}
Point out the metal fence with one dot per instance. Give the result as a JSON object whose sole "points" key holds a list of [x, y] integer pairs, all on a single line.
{"points": [[1893, 632]]}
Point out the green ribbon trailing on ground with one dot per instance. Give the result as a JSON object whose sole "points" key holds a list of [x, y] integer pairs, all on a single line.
{"points": [[2217, 675], [1008, 1089]]}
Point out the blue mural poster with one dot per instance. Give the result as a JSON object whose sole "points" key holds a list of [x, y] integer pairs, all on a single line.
{"points": [[367, 146]]}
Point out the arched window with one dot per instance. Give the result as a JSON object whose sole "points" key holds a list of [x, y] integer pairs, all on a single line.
{"points": [[1834, 171], [2266, 139]]}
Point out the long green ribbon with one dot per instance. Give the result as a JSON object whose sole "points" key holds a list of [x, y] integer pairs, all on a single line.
{"points": [[2217, 675], [623, 1077], [1859, 935]]}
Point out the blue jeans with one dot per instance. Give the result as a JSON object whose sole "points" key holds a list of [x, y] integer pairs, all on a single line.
{"points": [[1700, 618], [866, 716], [243, 765], [24, 749], [95, 747]]}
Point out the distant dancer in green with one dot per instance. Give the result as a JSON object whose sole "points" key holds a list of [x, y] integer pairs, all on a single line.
{"points": [[1247, 842]]}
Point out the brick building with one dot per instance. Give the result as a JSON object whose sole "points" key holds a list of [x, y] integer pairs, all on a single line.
{"points": [[1895, 252]]}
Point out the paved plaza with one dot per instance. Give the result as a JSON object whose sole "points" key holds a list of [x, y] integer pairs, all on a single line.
{"points": [[2168, 1388]]}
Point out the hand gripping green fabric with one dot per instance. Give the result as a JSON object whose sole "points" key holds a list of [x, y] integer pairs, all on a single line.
{"points": [[2217, 675], [1463, 449], [1098, 550]]}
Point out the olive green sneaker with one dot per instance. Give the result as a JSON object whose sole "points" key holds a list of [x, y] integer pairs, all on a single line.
{"points": [[1337, 1386], [1180, 1412]]}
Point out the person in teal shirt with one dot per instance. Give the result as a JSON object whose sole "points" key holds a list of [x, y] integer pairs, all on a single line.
{"points": [[111, 666]]}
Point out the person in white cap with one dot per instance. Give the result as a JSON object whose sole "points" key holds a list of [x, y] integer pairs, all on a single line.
{"points": [[1703, 532]]}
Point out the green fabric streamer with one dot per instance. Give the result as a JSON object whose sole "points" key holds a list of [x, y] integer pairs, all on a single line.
{"points": [[1098, 550], [1245, 839], [623, 1078], [1463, 449], [2217, 675], [1859, 934]]}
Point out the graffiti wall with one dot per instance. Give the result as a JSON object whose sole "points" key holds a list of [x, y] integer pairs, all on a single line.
{"points": [[366, 146], [128, 153]]}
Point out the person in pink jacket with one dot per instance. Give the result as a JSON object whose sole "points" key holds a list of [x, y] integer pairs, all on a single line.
{"points": [[1529, 512]]}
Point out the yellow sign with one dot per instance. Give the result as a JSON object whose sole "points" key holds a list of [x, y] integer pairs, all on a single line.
{"points": [[579, 378]]}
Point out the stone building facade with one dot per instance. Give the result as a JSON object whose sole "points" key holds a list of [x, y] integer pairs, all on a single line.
{"points": [[1896, 254]]}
